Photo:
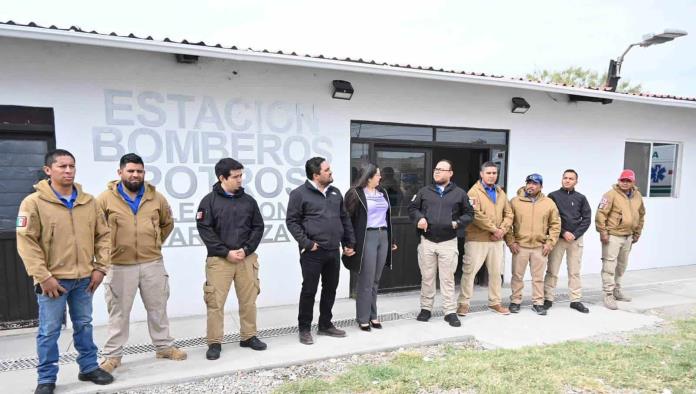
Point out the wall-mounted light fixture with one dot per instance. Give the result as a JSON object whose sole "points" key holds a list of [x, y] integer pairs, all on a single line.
{"points": [[520, 105], [342, 90]]}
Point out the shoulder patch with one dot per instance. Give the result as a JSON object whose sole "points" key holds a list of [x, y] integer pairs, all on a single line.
{"points": [[414, 197], [603, 202], [200, 215], [22, 221], [473, 202]]}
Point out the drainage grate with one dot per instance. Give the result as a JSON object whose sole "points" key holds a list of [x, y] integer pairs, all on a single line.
{"points": [[32, 362], [13, 325]]}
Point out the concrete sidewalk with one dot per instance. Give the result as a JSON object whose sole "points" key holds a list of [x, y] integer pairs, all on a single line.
{"points": [[650, 289]]}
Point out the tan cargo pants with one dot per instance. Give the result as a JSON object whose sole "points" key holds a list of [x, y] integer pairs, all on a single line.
{"points": [[614, 261], [120, 286], [573, 251], [475, 255], [220, 274], [434, 257], [537, 263]]}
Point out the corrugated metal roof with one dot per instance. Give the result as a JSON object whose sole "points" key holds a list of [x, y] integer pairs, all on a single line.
{"points": [[77, 29]]}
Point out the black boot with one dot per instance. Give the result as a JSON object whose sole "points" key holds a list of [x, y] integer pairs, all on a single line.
{"points": [[45, 388], [98, 376], [548, 304], [424, 315], [578, 306], [213, 352]]}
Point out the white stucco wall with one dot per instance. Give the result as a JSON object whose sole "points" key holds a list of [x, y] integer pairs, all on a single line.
{"points": [[552, 136]]}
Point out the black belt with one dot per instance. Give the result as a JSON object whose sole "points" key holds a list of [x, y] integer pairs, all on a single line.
{"points": [[376, 228]]}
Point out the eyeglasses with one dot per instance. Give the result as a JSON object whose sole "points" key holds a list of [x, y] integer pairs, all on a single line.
{"points": [[441, 170]]}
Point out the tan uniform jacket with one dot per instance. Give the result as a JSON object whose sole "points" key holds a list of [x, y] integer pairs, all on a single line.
{"points": [[620, 215], [488, 217], [53, 240], [535, 223], [136, 238]]}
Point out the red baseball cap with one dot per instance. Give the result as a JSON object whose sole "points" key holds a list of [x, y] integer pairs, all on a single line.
{"points": [[628, 174]]}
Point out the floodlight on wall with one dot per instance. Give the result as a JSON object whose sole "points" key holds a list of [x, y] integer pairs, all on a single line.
{"points": [[342, 90], [520, 105], [186, 59]]}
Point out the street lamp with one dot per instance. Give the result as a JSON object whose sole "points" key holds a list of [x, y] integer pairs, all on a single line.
{"points": [[648, 39]]}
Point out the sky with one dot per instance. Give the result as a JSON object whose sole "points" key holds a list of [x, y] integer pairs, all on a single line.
{"points": [[510, 38]]}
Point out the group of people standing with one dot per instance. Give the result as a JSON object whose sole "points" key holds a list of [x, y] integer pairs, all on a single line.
{"points": [[539, 230], [70, 242]]}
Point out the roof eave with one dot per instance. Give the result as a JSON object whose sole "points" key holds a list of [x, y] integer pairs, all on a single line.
{"points": [[81, 38]]}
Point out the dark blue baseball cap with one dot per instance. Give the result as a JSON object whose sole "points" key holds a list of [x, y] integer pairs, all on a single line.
{"points": [[536, 178]]}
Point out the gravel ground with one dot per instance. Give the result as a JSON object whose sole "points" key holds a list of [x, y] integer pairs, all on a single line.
{"points": [[264, 381]]}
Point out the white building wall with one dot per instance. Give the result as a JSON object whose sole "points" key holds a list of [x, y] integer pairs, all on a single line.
{"points": [[552, 136]]}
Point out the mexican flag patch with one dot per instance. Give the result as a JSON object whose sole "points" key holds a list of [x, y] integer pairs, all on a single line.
{"points": [[22, 221]]}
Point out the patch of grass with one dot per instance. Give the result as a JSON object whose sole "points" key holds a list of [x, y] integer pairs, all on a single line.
{"points": [[649, 363]]}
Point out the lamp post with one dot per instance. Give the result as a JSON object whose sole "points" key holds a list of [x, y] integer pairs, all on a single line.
{"points": [[648, 40]]}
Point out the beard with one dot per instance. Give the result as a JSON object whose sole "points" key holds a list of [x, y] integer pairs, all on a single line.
{"points": [[327, 183], [132, 186]]}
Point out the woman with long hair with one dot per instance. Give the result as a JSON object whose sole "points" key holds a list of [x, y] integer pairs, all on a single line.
{"points": [[368, 205]]}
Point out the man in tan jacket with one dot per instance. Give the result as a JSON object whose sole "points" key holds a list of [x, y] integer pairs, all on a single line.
{"points": [[63, 240], [484, 239], [619, 221], [140, 220], [535, 231]]}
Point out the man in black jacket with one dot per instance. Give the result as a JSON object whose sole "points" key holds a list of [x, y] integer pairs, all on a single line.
{"points": [[441, 213], [230, 224], [576, 216], [317, 219]]}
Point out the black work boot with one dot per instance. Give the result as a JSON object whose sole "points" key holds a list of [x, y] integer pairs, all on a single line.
{"points": [[213, 352], [45, 388], [539, 309], [254, 343], [98, 376], [424, 315], [548, 304], [514, 308], [453, 320], [578, 306]]}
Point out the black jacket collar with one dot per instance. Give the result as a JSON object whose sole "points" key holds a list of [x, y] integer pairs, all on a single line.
{"points": [[309, 186], [217, 188], [450, 186]]}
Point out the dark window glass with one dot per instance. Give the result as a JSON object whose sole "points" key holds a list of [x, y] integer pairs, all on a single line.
{"points": [[482, 137], [21, 163], [637, 158], [359, 155], [403, 173], [391, 132]]}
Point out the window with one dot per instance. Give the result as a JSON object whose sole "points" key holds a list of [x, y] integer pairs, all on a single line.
{"points": [[390, 132], [655, 165], [466, 136], [359, 155]]}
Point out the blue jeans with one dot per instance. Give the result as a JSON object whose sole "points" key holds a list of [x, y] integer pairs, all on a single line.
{"points": [[51, 312]]}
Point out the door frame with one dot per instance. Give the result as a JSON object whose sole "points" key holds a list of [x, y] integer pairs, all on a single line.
{"points": [[25, 131]]}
